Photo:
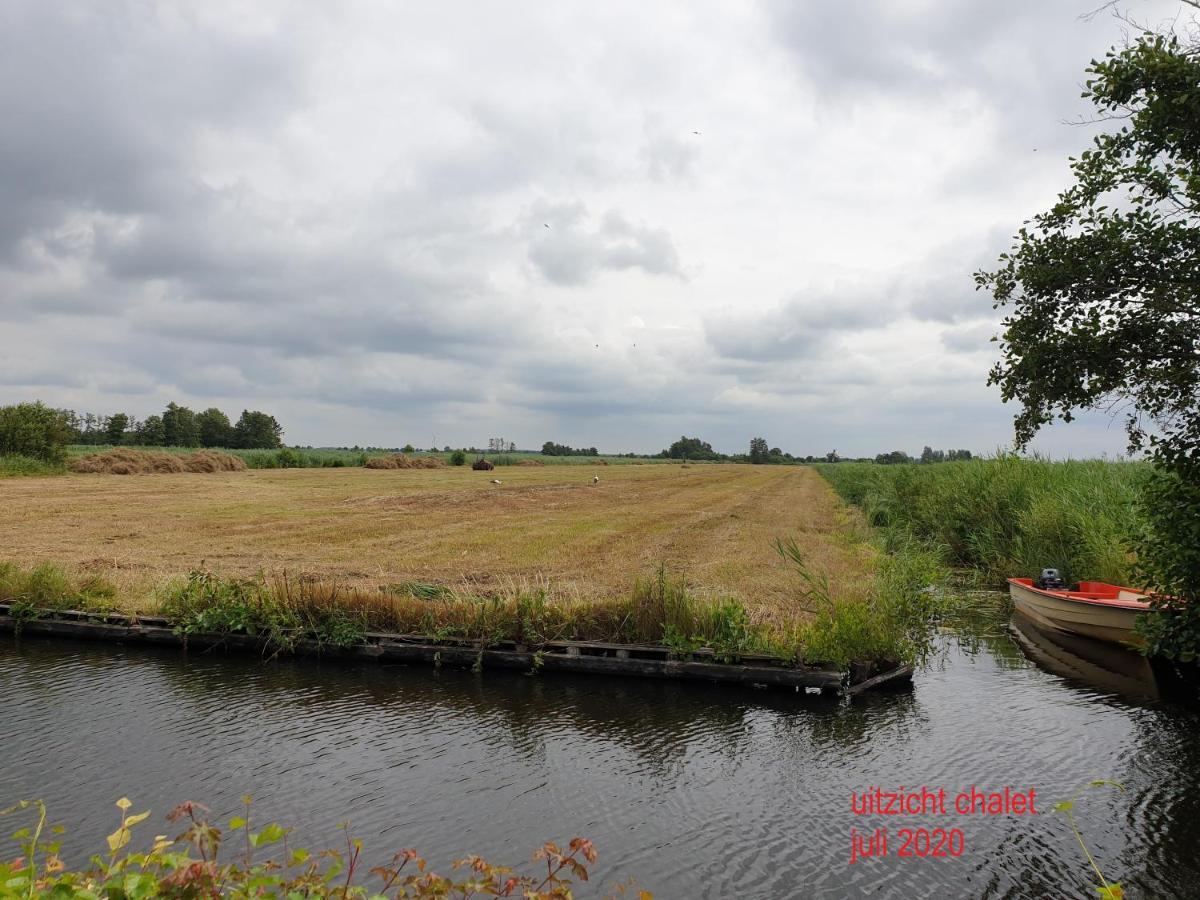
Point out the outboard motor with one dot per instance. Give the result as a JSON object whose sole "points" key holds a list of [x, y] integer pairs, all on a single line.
{"points": [[1050, 580]]}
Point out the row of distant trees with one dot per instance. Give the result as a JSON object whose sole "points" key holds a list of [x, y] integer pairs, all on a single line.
{"points": [[928, 455], [178, 426], [552, 449]]}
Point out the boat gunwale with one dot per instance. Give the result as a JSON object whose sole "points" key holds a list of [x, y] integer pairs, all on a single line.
{"points": [[1072, 597]]}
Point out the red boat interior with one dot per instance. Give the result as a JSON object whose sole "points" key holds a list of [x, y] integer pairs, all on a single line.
{"points": [[1088, 590]]}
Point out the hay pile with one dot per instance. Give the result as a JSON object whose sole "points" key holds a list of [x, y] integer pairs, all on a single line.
{"points": [[150, 462], [400, 461], [531, 462]]}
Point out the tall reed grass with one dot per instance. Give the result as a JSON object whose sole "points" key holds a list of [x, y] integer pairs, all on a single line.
{"points": [[1006, 516], [16, 465]]}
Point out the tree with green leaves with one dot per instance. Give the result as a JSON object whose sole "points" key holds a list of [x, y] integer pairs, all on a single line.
{"points": [[115, 427], [257, 430], [1102, 294], [34, 430], [759, 453], [215, 430], [152, 434], [180, 428]]}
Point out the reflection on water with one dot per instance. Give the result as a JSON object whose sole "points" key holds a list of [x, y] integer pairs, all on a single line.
{"points": [[699, 791], [1108, 667]]}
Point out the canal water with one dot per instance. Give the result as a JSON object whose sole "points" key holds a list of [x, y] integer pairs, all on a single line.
{"points": [[694, 790]]}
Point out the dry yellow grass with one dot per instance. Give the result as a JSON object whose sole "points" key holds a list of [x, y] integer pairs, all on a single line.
{"points": [[713, 524]]}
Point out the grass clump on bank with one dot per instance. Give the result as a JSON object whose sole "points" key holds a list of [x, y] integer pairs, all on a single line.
{"points": [[281, 610], [48, 587], [1005, 516]]}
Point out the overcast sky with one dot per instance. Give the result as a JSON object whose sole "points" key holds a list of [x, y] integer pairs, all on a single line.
{"points": [[599, 224]]}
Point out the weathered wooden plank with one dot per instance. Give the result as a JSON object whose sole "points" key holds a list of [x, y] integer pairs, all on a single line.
{"points": [[891, 678], [557, 657]]}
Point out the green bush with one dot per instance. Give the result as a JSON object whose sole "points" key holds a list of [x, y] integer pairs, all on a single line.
{"points": [[458, 458], [34, 430]]}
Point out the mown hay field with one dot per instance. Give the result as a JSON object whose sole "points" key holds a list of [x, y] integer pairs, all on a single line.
{"points": [[713, 525]]}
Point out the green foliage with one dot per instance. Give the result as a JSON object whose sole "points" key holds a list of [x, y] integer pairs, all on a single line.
{"points": [[261, 863], [215, 430], [45, 587], [1004, 516], [257, 430], [1169, 560], [894, 624], [180, 428], [288, 458], [280, 613], [1103, 288], [15, 465], [552, 449], [152, 432], [34, 430], [114, 430], [1107, 890], [458, 458], [691, 448], [759, 452]]}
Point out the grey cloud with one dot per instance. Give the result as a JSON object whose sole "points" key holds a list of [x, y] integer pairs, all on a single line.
{"points": [[971, 338], [568, 252], [92, 123], [804, 326]]}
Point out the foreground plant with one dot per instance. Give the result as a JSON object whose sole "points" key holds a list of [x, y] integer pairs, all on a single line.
{"points": [[190, 865], [1108, 890]]}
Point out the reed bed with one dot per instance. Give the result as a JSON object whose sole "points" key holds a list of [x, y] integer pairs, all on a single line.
{"points": [[1005, 516]]}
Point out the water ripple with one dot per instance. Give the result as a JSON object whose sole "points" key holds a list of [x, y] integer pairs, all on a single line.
{"points": [[699, 791]]}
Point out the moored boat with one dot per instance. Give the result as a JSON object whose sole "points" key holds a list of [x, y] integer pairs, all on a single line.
{"points": [[1094, 609]]}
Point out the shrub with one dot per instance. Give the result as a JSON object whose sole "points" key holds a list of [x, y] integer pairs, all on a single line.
{"points": [[458, 458], [288, 459], [34, 430]]}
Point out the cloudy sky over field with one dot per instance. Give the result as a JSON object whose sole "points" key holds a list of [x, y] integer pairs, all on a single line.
{"points": [[598, 224]]}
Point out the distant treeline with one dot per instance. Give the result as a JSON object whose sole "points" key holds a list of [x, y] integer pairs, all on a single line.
{"points": [[41, 432], [178, 426], [928, 455], [552, 449]]}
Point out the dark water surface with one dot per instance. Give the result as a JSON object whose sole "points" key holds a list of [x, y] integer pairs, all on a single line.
{"points": [[698, 791]]}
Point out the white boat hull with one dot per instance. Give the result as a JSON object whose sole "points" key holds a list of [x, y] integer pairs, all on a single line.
{"points": [[1094, 620]]}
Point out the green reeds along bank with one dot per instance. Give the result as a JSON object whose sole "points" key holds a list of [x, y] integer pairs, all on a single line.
{"points": [[1005, 516], [660, 609], [14, 466], [47, 587]]}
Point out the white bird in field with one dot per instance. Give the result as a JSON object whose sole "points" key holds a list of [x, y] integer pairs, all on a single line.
{"points": [[595, 479], [495, 481]]}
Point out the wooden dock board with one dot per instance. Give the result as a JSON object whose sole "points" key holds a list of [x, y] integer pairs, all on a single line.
{"points": [[646, 661]]}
